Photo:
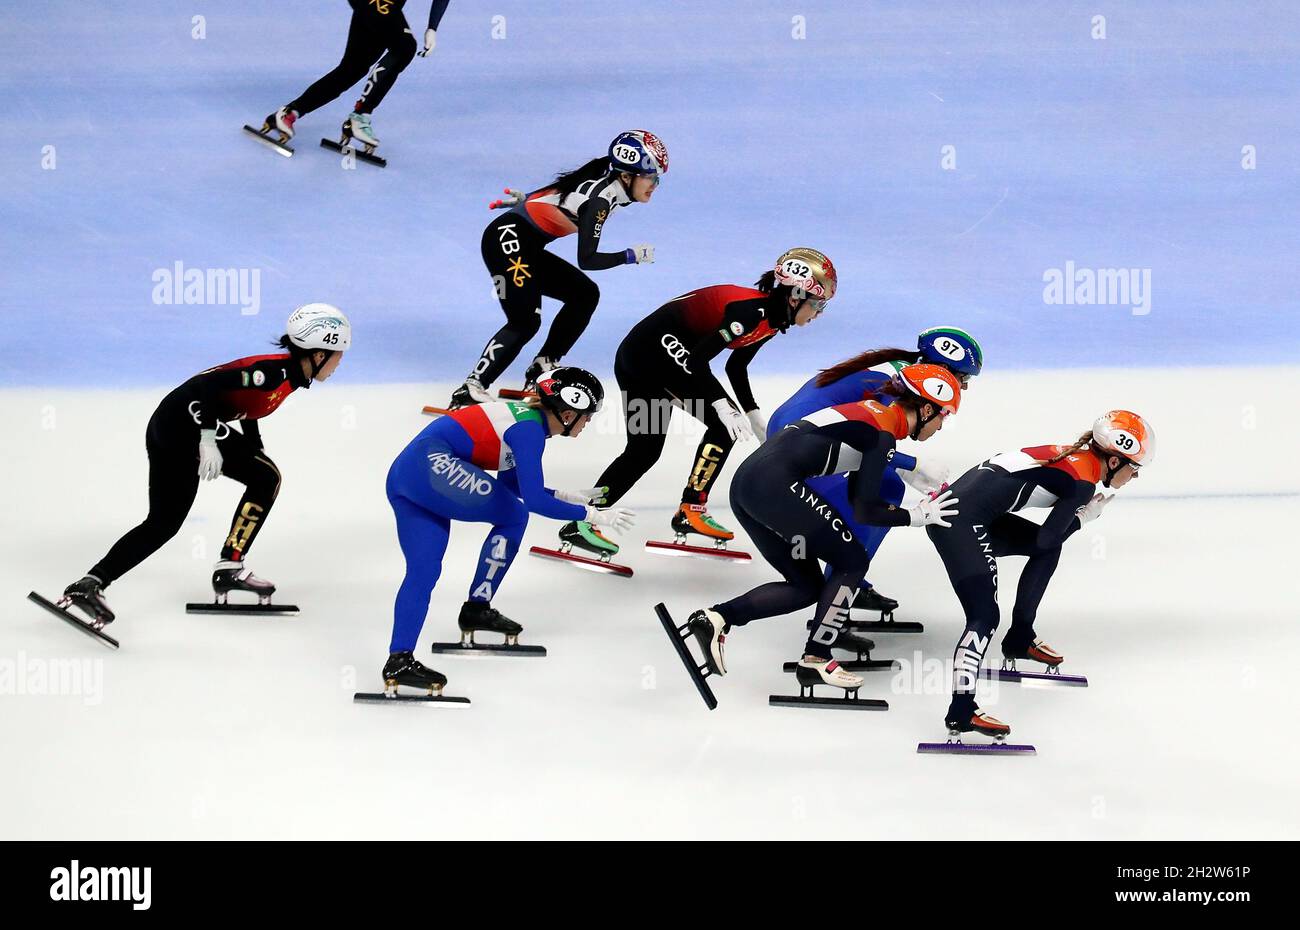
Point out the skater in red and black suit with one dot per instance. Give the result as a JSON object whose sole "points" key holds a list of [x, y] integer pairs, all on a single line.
{"points": [[1062, 479], [189, 439], [379, 48], [664, 362]]}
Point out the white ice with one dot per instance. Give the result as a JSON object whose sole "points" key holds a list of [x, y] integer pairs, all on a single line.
{"points": [[1179, 605]]}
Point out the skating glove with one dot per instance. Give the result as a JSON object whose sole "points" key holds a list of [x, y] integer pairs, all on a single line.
{"points": [[737, 426], [583, 496], [925, 479], [934, 511], [513, 198], [1092, 510], [209, 455], [615, 518], [641, 255], [757, 422], [430, 40]]}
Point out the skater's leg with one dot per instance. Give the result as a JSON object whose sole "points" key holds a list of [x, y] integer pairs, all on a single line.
{"points": [[509, 519], [967, 554], [710, 455], [423, 537], [365, 43], [173, 484], [775, 598], [244, 461], [1014, 535], [578, 295], [646, 415], [382, 76], [510, 254]]}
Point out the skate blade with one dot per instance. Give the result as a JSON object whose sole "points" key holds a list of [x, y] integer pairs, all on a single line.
{"points": [[855, 665], [379, 697], [884, 626], [582, 561], [512, 394], [1035, 679], [270, 143], [684, 550], [484, 650], [76, 621], [354, 152], [843, 703], [435, 411], [698, 673], [208, 607], [977, 749]]}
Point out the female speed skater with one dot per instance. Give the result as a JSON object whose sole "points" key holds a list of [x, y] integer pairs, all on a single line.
{"points": [[379, 47], [1062, 478], [523, 272], [796, 529], [442, 476], [189, 439], [664, 362], [861, 377]]}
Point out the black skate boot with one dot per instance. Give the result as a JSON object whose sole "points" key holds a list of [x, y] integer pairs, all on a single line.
{"points": [[710, 632], [468, 394], [860, 646], [482, 617], [402, 668], [534, 371], [88, 595], [871, 599], [228, 576]]}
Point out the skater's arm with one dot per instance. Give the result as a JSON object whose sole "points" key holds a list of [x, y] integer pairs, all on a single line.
{"points": [[591, 222], [741, 318], [864, 484], [436, 10], [1063, 522], [738, 375], [526, 440]]}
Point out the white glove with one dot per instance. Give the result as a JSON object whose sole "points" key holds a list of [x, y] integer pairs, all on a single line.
{"points": [[925, 479], [582, 495], [430, 40], [1092, 510], [209, 455], [758, 423], [737, 426], [934, 511], [645, 254], [615, 518]]}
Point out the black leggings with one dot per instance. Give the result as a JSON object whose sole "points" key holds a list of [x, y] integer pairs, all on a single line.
{"points": [[794, 529], [969, 552], [173, 483], [370, 35], [652, 384], [523, 272]]}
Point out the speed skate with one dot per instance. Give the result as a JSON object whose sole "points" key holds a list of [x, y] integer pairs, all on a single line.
{"points": [[480, 617], [955, 746], [603, 563], [403, 670], [698, 671], [349, 145], [278, 143], [861, 648], [62, 610], [809, 676], [229, 577]]}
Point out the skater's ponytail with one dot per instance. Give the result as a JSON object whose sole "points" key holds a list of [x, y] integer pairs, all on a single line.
{"points": [[1083, 442], [567, 182], [900, 395], [863, 361]]}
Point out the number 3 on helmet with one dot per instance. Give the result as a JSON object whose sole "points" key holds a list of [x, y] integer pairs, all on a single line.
{"points": [[1124, 433]]}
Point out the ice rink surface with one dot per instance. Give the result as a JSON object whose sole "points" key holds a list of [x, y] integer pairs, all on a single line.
{"points": [[1127, 152]]}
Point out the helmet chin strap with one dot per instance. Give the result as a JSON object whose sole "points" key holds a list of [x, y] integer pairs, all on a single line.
{"points": [[920, 423]]}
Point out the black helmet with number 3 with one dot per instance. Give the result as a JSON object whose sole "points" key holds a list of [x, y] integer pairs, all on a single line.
{"points": [[570, 390]]}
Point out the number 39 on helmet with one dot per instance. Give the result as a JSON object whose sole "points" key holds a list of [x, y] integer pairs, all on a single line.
{"points": [[1124, 433]]}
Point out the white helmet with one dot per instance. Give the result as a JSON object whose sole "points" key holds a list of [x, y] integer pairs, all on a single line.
{"points": [[319, 326]]}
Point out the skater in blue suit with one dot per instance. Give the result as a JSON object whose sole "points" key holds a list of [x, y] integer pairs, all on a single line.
{"points": [[856, 379]]}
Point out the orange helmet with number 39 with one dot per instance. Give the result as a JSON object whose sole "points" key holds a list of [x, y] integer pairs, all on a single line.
{"points": [[1124, 433]]}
